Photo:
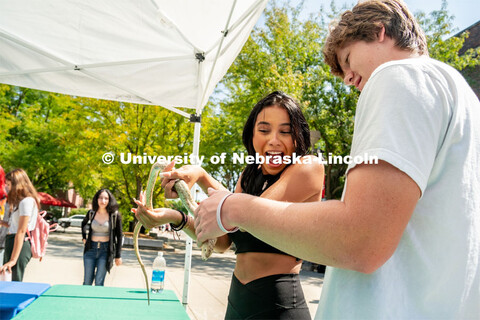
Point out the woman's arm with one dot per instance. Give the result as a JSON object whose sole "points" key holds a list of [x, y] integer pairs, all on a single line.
{"points": [[17, 244], [84, 223], [118, 236], [156, 217]]}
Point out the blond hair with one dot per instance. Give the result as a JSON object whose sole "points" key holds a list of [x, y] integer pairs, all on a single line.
{"points": [[21, 188], [365, 21]]}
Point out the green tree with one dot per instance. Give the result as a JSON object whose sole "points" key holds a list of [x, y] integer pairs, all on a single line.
{"points": [[442, 45], [60, 140], [100, 126], [32, 134]]}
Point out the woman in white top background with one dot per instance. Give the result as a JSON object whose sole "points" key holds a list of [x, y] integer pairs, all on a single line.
{"points": [[23, 204]]}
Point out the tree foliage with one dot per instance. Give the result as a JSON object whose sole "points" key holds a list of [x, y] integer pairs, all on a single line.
{"points": [[33, 126], [442, 44], [60, 140], [100, 126]]}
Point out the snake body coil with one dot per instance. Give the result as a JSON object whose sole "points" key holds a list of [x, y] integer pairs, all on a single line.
{"points": [[184, 194]]}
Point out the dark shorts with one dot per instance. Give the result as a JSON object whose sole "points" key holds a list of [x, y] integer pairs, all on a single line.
{"points": [[278, 296]]}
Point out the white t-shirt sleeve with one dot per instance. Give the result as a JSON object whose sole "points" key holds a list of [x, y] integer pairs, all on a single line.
{"points": [[27, 207], [399, 120]]}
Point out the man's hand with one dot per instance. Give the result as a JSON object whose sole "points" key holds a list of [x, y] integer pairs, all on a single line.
{"points": [[206, 226]]}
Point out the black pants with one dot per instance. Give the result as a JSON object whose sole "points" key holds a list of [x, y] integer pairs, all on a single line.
{"points": [[23, 258], [278, 296]]}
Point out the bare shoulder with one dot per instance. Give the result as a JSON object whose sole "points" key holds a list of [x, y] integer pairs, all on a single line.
{"points": [[302, 181], [309, 168]]}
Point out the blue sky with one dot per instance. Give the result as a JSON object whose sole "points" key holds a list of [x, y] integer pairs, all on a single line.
{"points": [[466, 12]]}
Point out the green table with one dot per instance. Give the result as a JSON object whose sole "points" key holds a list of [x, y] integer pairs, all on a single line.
{"points": [[89, 302]]}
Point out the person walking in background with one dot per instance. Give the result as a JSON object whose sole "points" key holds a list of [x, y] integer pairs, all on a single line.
{"points": [[102, 236], [23, 205]]}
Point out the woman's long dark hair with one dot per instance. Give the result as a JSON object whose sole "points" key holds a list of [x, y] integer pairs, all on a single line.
{"points": [[299, 129], [112, 202]]}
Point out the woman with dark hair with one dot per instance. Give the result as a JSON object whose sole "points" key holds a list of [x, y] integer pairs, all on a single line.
{"points": [[102, 235], [265, 282], [23, 205]]}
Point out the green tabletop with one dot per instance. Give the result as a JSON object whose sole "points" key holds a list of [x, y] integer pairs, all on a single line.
{"points": [[90, 302]]}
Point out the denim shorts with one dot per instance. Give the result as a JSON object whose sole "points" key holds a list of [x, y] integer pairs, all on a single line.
{"points": [[278, 296]]}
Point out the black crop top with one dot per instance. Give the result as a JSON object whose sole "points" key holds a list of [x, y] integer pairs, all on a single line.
{"points": [[244, 241]]}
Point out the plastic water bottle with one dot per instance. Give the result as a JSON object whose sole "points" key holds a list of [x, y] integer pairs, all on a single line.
{"points": [[158, 274]]}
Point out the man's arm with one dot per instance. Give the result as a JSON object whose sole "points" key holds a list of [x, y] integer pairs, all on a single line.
{"points": [[360, 233]]}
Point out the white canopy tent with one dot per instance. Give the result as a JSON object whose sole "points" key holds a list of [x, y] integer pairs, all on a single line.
{"points": [[155, 52]]}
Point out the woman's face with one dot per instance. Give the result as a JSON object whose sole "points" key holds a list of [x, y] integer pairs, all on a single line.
{"points": [[103, 200], [272, 138], [8, 186]]}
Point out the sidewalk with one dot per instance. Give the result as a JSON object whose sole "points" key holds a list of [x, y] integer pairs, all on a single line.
{"points": [[209, 280]]}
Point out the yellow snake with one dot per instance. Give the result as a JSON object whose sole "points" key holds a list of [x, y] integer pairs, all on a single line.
{"points": [[184, 194]]}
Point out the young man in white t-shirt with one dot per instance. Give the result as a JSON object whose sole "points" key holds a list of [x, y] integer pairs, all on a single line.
{"points": [[404, 241]]}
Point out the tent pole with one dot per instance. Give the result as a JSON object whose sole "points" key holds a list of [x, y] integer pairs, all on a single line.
{"points": [[196, 144], [189, 242], [225, 33], [247, 14], [188, 266]]}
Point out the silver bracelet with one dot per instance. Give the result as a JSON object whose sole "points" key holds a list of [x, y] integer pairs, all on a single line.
{"points": [[219, 219]]}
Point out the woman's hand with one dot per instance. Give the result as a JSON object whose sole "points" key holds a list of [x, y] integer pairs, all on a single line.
{"points": [[155, 217], [84, 241], [8, 266], [190, 174], [118, 261]]}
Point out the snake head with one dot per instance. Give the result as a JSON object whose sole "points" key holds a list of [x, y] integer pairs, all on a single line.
{"points": [[207, 249]]}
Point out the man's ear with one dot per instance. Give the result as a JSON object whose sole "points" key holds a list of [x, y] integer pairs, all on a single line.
{"points": [[381, 34]]}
